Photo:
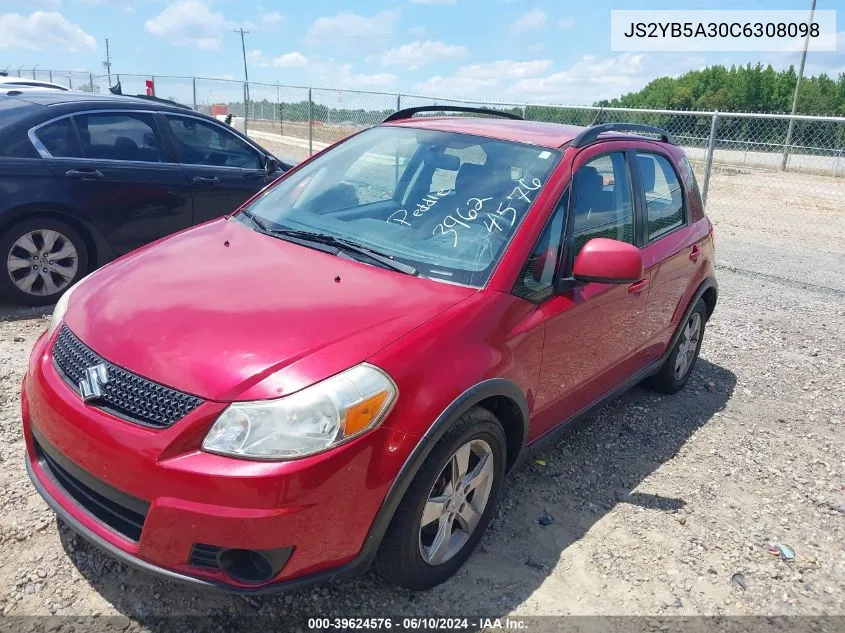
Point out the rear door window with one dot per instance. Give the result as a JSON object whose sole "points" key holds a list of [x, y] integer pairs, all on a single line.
{"points": [[124, 136], [663, 195]]}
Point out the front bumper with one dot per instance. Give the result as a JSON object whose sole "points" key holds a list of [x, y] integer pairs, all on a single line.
{"points": [[356, 566], [322, 506]]}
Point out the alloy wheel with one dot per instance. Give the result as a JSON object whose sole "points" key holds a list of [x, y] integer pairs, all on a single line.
{"points": [[42, 262], [456, 502], [688, 345]]}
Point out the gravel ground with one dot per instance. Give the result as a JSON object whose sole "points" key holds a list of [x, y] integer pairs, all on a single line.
{"points": [[655, 503]]}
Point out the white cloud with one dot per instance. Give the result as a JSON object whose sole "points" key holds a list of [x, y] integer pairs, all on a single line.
{"points": [[587, 80], [43, 30], [345, 26], [190, 23], [433, 1], [417, 54], [439, 86], [566, 23], [256, 58], [353, 79], [327, 72], [290, 60], [272, 18], [481, 79], [532, 21], [505, 69]]}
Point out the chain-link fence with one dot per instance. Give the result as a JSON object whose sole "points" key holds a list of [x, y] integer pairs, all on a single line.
{"points": [[763, 172]]}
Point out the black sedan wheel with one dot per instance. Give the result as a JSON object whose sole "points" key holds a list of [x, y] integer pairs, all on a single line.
{"points": [[43, 258]]}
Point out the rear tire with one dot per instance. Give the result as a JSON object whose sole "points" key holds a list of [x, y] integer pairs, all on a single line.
{"points": [[41, 258], [436, 528], [675, 372]]}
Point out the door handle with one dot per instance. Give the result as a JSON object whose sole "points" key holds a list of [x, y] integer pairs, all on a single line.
{"points": [[203, 180], [637, 287], [85, 174], [695, 253]]}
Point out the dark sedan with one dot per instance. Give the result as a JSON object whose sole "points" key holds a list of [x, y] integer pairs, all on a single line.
{"points": [[85, 178]]}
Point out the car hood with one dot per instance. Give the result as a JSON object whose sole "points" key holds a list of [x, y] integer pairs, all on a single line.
{"points": [[226, 313]]}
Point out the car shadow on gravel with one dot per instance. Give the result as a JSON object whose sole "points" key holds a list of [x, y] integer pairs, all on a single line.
{"points": [[11, 311], [597, 465]]}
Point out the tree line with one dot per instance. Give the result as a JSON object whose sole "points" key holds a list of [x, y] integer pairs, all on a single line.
{"points": [[739, 89], [750, 88]]}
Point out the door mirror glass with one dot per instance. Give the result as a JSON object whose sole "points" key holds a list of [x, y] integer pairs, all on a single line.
{"points": [[608, 261], [272, 165]]}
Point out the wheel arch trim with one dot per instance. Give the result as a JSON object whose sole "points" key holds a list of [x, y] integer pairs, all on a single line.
{"points": [[708, 283], [460, 405]]}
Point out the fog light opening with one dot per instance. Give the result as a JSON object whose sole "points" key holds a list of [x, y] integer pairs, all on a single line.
{"points": [[246, 565]]}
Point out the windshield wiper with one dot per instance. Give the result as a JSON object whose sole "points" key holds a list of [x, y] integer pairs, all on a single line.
{"points": [[254, 219], [347, 245]]}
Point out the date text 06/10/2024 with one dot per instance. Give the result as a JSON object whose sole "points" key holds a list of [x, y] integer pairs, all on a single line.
{"points": [[416, 624]]}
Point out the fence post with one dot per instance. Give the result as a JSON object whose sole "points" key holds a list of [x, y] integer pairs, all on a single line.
{"points": [[51, 76], [708, 161], [310, 124], [194, 86], [69, 81], [91, 81], [398, 102], [33, 72]]}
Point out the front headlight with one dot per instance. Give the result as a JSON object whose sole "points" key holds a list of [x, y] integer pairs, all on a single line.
{"points": [[306, 422], [61, 307]]}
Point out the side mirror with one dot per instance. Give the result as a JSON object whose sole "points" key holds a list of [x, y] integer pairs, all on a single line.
{"points": [[271, 165], [607, 261]]}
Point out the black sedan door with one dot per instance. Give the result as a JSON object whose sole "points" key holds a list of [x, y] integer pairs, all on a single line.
{"points": [[223, 169], [117, 174]]}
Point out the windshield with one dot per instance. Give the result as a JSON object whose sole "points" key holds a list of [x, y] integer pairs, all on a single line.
{"points": [[446, 204]]}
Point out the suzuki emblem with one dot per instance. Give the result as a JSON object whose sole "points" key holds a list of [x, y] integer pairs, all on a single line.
{"points": [[95, 378]]}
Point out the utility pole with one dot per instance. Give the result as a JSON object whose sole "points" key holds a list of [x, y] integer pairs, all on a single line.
{"points": [[107, 63], [246, 78], [797, 86]]}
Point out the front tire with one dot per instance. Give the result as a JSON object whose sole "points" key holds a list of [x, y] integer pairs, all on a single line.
{"points": [[448, 505], [679, 365], [41, 258]]}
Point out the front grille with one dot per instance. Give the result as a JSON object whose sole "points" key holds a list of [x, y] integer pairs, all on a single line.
{"points": [[105, 509], [127, 395], [205, 556]]}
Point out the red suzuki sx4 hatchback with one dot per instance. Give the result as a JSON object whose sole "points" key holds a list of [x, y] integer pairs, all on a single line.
{"points": [[343, 371]]}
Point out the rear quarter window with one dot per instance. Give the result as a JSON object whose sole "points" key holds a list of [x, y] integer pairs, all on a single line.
{"points": [[696, 204], [60, 139]]}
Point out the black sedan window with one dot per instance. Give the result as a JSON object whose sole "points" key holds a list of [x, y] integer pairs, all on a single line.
{"points": [[203, 143], [59, 139], [127, 136]]}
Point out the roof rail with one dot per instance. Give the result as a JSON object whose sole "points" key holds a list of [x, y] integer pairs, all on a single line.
{"points": [[160, 100], [592, 133], [408, 113]]}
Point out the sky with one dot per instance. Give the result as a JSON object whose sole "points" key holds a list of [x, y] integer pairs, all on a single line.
{"points": [[503, 50]]}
